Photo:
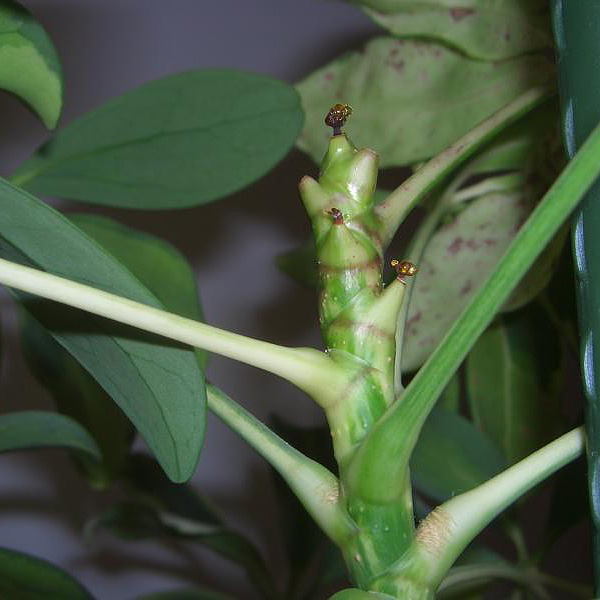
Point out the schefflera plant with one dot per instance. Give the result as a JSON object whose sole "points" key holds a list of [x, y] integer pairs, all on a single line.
{"points": [[375, 423]]}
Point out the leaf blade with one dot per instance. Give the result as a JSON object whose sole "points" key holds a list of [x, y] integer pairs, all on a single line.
{"points": [[159, 385], [25, 577], [144, 150], [29, 65], [42, 429], [400, 116]]}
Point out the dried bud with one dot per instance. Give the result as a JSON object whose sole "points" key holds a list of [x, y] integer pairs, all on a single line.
{"points": [[336, 117]]}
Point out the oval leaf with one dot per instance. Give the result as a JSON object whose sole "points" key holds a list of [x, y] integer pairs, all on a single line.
{"points": [[457, 260], [41, 429], [179, 141], [395, 88], [479, 28], [452, 456], [158, 385], [77, 394], [514, 382], [29, 65], [24, 577]]}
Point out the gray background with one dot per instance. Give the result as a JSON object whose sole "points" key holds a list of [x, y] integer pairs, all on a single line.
{"points": [[106, 48]]}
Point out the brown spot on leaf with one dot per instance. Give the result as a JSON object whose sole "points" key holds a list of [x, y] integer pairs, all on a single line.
{"points": [[414, 319], [456, 245], [490, 242], [459, 13], [472, 244], [465, 289], [507, 36]]}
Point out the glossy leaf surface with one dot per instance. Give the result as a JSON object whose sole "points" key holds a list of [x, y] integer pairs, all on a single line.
{"points": [[29, 65], [24, 577], [394, 87], [175, 142], [452, 456], [484, 29], [514, 382], [42, 429], [159, 385]]}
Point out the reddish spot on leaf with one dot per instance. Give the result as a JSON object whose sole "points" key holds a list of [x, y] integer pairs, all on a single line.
{"points": [[456, 245], [472, 244], [414, 319], [459, 13], [466, 288], [328, 76], [490, 242]]}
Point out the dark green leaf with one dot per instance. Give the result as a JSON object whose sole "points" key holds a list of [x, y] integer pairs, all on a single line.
{"points": [[450, 398], [157, 264], [162, 508], [179, 141], [452, 456], [159, 385], [29, 65], [41, 429], [300, 265], [78, 395], [480, 28], [514, 382], [24, 577], [395, 87]]}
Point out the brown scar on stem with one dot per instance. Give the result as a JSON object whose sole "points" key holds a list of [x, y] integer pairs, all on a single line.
{"points": [[434, 531]]}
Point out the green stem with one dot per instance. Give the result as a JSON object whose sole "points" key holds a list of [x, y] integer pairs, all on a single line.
{"points": [[396, 433], [397, 205], [449, 529], [313, 484], [309, 369], [415, 252]]}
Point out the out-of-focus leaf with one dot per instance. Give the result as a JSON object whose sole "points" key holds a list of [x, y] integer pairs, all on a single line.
{"points": [[452, 456], [29, 65], [24, 577], [300, 265], [178, 141], [308, 550], [514, 382], [484, 29], [159, 385], [188, 594], [570, 502], [450, 397], [457, 260], [160, 508], [77, 394], [42, 429], [395, 87]]}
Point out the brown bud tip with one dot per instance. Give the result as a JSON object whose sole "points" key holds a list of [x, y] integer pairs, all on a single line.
{"points": [[336, 117], [336, 215], [404, 268]]}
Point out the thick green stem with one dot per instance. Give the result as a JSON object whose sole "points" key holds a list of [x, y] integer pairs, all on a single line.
{"points": [[393, 210], [379, 466], [448, 530], [313, 484], [309, 369]]}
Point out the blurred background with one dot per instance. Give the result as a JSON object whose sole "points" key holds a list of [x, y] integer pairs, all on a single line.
{"points": [[108, 47]]}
